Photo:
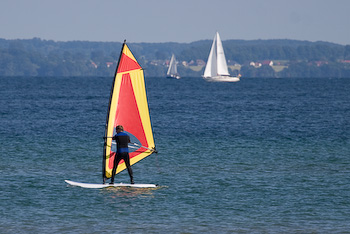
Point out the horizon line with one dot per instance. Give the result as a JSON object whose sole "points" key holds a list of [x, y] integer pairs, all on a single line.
{"points": [[259, 39]]}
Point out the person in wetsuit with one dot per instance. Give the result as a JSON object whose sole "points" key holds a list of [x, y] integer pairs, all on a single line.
{"points": [[122, 140]]}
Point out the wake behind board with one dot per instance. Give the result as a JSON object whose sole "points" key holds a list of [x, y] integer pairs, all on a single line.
{"points": [[89, 185]]}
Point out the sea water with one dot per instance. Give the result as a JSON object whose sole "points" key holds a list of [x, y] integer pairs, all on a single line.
{"points": [[256, 156]]}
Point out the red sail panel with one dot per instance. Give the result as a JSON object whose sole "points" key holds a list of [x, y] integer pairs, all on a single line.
{"points": [[127, 64]]}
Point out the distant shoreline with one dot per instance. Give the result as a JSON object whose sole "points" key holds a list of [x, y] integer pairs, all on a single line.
{"points": [[250, 58]]}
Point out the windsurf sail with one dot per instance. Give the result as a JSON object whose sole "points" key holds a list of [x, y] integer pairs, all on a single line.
{"points": [[128, 107]]}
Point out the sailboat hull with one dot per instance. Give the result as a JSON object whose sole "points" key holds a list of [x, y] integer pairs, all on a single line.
{"points": [[173, 77], [222, 79]]}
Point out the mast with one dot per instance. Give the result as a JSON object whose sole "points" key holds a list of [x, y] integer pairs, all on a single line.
{"points": [[107, 118]]}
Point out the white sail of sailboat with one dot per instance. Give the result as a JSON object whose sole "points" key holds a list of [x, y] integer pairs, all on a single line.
{"points": [[216, 69], [172, 70]]}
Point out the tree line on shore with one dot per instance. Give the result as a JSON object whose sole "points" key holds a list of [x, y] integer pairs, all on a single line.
{"points": [[37, 57]]}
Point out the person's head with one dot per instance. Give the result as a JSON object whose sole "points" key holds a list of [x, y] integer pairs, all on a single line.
{"points": [[119, 128]]}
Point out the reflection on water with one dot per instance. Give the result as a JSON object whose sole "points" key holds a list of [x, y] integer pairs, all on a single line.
{"points": [[124, 192]]}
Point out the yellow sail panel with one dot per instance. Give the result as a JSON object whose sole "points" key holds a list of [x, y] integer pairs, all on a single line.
{"points": [[128, 107], [141, 98]]}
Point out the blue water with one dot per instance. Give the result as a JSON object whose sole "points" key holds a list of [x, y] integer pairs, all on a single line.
{"points": [[257, 156]]}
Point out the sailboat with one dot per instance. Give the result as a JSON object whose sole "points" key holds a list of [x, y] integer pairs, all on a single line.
{"points": [[172, 70], [216, 69], [127, 107]]}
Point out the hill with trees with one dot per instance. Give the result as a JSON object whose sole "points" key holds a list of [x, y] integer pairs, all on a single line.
{"points": [[253, 58]]}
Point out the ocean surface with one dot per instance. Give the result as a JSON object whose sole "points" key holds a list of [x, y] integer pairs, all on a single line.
{"points": [[257, 156]]}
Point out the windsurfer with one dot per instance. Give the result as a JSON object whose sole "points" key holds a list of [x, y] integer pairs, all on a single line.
{"points": [[122, 140]]}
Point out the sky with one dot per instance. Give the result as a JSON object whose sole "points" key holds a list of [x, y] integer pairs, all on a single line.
{"points": [[175, 21]]}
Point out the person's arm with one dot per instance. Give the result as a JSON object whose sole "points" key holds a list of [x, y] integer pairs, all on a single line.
{"points": [[108, 137]]}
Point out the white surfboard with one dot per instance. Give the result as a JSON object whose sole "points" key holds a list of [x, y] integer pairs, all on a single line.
{"points": [[89, 185]]}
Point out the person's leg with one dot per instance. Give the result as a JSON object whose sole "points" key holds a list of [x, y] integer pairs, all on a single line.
{"points": [[117, 158], [127, 163]]}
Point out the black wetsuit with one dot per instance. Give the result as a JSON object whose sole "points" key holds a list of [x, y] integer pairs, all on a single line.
{"points": [[122, 140]]}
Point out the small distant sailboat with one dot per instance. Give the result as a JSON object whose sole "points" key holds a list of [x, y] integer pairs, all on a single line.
{"points": [[172, 70], [216, 69]]}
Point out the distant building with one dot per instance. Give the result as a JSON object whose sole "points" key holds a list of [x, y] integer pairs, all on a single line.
{"points": [[255, 64], [191, 63], [200, 62], [93, 64], [232, 62], [320, 63], [259, 64], [267, 62]]}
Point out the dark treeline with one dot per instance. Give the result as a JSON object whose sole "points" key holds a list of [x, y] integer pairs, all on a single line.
{"points": [[36, 57]]}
